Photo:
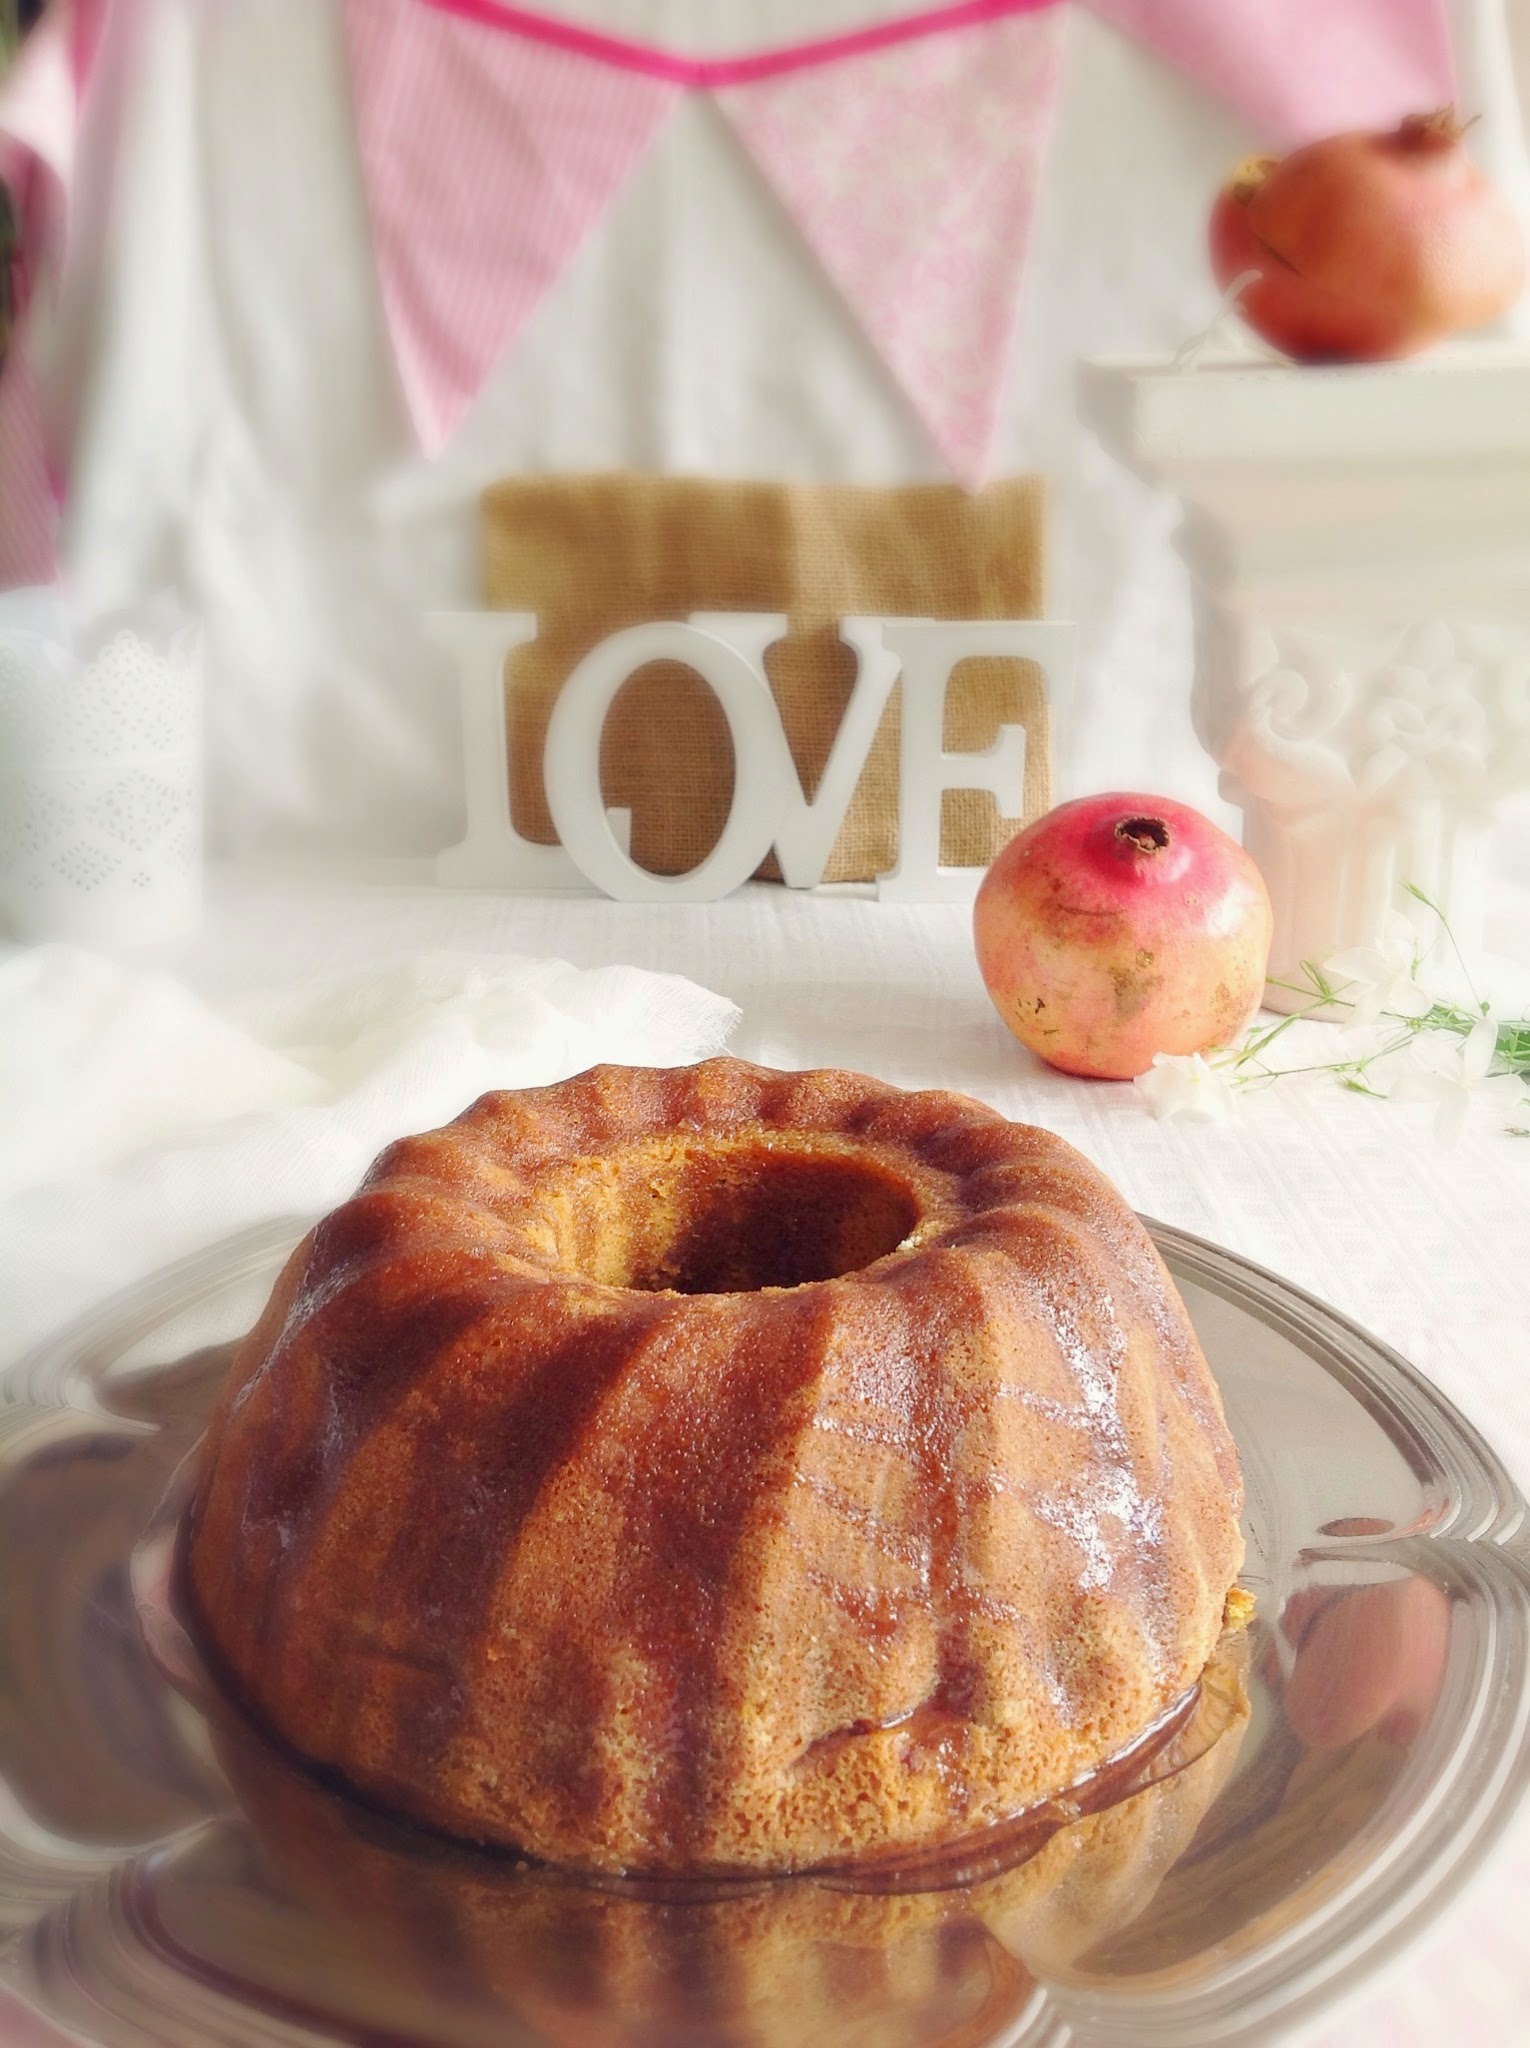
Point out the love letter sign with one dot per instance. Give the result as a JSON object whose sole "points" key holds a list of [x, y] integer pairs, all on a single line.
{"points": [[769, 811]]}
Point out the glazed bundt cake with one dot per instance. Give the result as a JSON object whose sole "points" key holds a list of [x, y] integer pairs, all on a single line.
{"points": [[716, 1468]]}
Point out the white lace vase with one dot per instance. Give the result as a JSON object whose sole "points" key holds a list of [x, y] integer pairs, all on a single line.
{"points": [[101, 787]]}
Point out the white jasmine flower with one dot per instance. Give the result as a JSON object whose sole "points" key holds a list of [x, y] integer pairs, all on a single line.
{"points": [[1185, 1085], [1450, 1089], [1380, 977]]}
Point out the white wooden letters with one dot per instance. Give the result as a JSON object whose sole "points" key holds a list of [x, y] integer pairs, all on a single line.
{"points": [[727, 649]]}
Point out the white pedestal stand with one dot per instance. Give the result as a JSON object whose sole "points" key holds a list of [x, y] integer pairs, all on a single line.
{"points": [[1358, 541]]}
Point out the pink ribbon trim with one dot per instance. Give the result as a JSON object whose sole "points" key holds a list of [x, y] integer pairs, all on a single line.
{"points": [[715, 73]]}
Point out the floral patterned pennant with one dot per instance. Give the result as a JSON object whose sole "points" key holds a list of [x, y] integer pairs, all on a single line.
{"points": [[912, 174]]}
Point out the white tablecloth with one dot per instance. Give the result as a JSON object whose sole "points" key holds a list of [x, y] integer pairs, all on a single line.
{"points": [[1347, 1197]]}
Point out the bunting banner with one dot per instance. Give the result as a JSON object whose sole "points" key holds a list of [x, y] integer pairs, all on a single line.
{"points": [[493, 138], [907, 153]]}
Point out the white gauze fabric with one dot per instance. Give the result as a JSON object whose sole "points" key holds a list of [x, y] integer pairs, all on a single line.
{"points": [[142, 1125]]}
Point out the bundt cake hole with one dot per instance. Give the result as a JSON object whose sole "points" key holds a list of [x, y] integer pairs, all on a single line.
{"points": [[732, 1219]]}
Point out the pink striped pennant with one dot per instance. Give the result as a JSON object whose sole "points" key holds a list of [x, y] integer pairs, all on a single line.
{"points": [[487, 159], [28, 507]]}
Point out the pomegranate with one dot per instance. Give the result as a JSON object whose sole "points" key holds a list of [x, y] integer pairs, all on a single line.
{"points": [[1117, 927], [1368, 247]]}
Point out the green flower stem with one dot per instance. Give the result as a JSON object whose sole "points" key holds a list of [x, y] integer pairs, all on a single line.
{"points": [[1245, 1065], [1429, 904]]}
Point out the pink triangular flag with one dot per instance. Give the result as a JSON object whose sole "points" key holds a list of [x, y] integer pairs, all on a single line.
{"points": [[912, 174], [39, 109], [487, 158], [1302, 68], [28, 507]]}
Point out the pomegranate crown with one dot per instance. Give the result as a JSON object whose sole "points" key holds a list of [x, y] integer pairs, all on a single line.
{"points": [[1439, 130]]}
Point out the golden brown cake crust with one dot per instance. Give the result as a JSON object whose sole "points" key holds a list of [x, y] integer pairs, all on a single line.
{"points": [[718, 1468]]}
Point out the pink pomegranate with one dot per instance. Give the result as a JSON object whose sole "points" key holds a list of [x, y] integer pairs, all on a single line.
{"points": [[1117, 927], [1368, 247]]}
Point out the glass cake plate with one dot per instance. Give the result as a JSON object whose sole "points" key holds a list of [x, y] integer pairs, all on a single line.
{"points": [[168, 1878]]}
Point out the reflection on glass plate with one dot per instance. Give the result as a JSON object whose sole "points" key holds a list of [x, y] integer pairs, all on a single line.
{"points": [[167, 1878]]}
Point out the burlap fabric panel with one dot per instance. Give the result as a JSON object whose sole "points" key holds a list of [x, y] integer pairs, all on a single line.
{"points": [[593, 554]]}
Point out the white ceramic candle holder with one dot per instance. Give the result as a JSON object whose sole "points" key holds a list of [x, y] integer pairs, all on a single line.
{"points": [[101, 780]]}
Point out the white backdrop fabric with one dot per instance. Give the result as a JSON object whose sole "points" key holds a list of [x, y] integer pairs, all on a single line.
{"points": [[219, 360], [241, 432], [141, 1125]]}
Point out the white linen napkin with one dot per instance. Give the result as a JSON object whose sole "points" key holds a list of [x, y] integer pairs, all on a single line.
{"points": [[138, 1125]]}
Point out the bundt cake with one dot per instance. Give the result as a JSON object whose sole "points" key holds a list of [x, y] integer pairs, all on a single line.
{"points": [[716, 1469]]}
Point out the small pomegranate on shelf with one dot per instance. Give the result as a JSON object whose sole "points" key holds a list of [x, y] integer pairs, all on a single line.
{"points": [[1368, 247], [1120, 926]]}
